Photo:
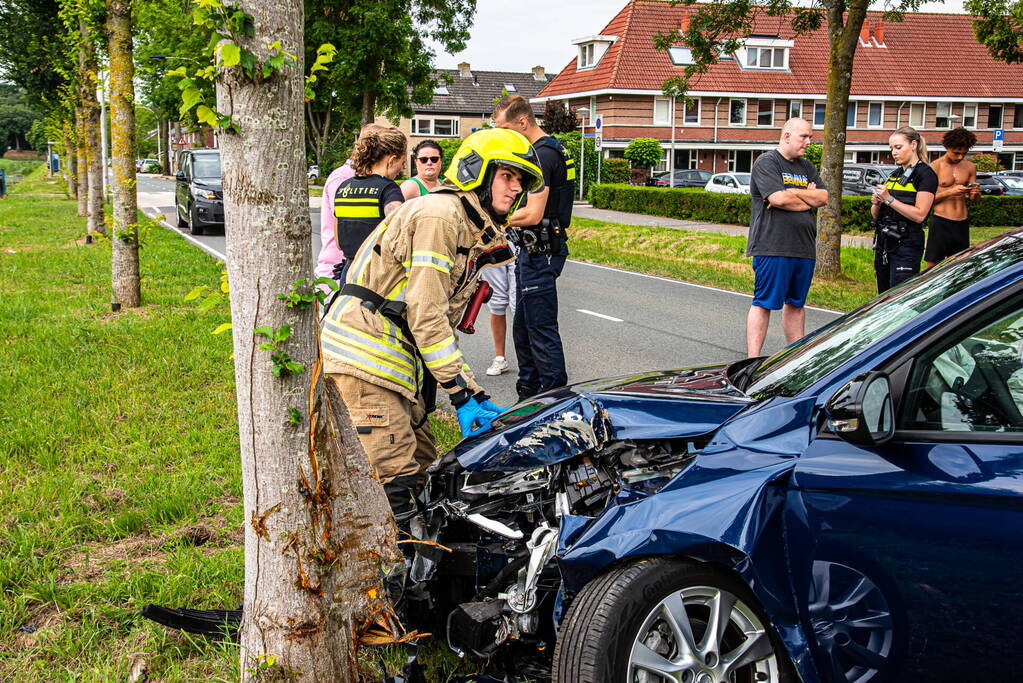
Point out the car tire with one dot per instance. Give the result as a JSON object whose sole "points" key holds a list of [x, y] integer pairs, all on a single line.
{"points": [[621, 623], [182, 223], [193, 225]]}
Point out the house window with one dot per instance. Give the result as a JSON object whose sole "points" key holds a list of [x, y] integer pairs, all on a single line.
{"points": [[692, 111], [850, 116], [795, 109], [441, 90], [737, 112], [765, 57], [510, 87], [765, 113], [941, 115], [875, 115], [970, 115], [591, 117], [916, 115], [1017, 116], [994, 116], [819, 109], [661, 111], [686, 159], [662, 165], [585, 55], [681, 56], [440, 127], [740, 160]]}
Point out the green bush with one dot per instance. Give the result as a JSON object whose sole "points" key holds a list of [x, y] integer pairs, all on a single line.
{"points": [[571, 143], [700, 205], [644, 152], [449, 147], [614, 171]]}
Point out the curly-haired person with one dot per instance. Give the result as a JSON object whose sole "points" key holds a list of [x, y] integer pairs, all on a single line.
{"points": [[949, 232]]}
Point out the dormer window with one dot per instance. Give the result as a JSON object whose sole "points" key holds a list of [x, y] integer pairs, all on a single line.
{"points": [[766, 53], [591, 49], [681, 56]]}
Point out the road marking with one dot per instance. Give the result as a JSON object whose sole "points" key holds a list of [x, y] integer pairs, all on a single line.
{"points": [[600, 315], [688, 284], [205, 247]]}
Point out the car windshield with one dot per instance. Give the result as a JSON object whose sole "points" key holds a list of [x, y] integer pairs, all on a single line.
{"points": [[206, 166], [796, 367], [743, 178], [1012, 182]]}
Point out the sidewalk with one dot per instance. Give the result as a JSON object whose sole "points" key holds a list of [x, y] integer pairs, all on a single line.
{"points": [[584, 210]]}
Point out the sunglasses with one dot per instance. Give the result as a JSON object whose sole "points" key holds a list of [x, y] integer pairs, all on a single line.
{"points": [[428, 160]]}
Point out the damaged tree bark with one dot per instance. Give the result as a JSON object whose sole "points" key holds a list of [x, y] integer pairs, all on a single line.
{"points": [[125, 243], [318, 526]]}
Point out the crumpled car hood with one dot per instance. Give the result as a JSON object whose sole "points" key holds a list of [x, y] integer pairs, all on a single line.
{"points": [[582, 418]]}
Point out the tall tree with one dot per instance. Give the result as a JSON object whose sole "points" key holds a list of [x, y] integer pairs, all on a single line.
{"points": [[384, 64], [999, 26], [318, 524], [125, 243], [88, 80], [720, 27]]}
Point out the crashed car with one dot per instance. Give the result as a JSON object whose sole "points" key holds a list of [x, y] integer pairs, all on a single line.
{"points": [[848, 509]]}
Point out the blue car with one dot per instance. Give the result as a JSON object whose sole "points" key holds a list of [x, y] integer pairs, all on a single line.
{"points": [[847, 510]]}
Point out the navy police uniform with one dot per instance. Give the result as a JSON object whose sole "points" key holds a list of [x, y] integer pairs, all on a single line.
{"points": [[359, 207], [535, 332], [899, 242]]}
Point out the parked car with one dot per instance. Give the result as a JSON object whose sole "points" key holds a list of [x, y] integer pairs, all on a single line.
{"points": [[849, 509], [1016, 174], [860, 179], [198, 192], [142, 165], [989, 184], [683, 178], [314, 172], [733, 183], [1012, 184]]}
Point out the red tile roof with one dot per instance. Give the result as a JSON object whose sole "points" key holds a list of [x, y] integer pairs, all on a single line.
{"points": [[926, 55]]}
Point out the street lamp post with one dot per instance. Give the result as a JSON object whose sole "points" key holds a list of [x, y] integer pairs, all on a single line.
{"points": [[583, 112]]}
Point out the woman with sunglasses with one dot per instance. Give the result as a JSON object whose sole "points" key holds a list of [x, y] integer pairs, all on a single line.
{"points": [[429, 159]]}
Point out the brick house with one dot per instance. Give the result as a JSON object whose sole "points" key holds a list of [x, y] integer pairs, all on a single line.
{"points": [[927, 71], [464, 99]]}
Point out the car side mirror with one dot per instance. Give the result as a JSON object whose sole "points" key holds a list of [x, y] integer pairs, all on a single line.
{"points": [[179, 176], [861, 411]]}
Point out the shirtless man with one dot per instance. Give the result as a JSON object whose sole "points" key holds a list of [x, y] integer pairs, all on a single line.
{"points": [[949, 231]]}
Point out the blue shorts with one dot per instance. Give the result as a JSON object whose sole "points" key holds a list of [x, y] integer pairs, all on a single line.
{"points": [[781, 280]]}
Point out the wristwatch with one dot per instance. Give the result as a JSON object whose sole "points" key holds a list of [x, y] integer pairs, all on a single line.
{"points": [[889, 200]]}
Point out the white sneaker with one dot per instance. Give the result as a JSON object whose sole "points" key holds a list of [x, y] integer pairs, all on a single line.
{"points": [[498, 366]]}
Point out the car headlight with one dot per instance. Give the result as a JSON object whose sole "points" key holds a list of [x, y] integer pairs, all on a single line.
{"points": [[485, 483], [206, 194]]}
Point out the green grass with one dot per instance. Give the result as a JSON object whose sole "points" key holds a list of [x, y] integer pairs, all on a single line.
{"points": [[119, 456]]}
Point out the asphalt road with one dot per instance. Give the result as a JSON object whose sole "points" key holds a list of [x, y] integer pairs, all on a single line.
{"points": [[612, 321]]}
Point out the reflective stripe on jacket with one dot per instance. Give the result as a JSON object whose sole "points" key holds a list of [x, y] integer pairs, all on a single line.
{"points": [[424, 254]]}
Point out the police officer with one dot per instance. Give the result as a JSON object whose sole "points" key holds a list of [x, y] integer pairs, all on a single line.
{"points": [[900, 208], [543, 223], [391, 330]]}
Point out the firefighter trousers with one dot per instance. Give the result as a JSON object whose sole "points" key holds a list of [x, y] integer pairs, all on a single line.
{"points": [[386, 422]]}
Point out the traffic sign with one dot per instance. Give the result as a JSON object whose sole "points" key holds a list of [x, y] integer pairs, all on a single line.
{"points": [[998, 139], [598, 125]]}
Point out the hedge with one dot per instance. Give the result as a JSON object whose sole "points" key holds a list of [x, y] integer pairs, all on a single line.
{"points": [[699, 205]]}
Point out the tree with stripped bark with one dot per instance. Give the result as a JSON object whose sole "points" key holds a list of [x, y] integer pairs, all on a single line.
{"points": [[318, 526]]}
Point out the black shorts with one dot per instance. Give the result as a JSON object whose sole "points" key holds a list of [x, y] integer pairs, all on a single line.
{"points": [[946, 237]]}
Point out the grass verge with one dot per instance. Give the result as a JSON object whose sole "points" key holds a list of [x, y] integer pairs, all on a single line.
{"points": [[120, 454]]}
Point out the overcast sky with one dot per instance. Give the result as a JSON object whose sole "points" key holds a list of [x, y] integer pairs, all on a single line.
{"points": [[516, 36]]}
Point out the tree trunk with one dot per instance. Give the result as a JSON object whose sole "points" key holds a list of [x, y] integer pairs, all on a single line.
{"points": [[69, 161], [317, 522], [161, 130], [88, 74], [81, 162], [125, 255], [843, 39]]}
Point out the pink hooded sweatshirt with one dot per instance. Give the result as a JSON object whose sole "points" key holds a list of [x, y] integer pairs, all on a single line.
{"points": [[330, 254]]}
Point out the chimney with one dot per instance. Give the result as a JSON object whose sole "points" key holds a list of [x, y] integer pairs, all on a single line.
{"points": [[864, 33], [538, 74], [879, 32], [463, 70]]}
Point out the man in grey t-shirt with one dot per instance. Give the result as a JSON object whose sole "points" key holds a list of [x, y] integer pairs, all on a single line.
{"points": [[785, 191]]}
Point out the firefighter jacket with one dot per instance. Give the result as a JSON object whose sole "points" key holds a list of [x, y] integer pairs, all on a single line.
{"points": [[427, 254]]}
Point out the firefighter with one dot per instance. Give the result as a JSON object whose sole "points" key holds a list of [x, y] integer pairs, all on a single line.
{"points": [[389, 339]]}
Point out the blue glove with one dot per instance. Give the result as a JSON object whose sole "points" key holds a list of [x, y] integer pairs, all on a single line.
{"points": [[489, 405], [470, 413]]}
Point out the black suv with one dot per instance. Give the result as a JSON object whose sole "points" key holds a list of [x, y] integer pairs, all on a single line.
{"points": [[198, 192]]}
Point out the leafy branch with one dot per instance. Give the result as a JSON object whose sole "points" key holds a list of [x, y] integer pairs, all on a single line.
{"points": [[303, 294], [283, 364]]}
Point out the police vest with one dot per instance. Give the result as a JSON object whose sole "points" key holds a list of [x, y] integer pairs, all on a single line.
{"points": [[358, 207], [560, 193]]}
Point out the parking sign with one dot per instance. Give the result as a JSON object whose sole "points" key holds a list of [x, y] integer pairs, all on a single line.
{"points": [[998, 140], [598, 124]]}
